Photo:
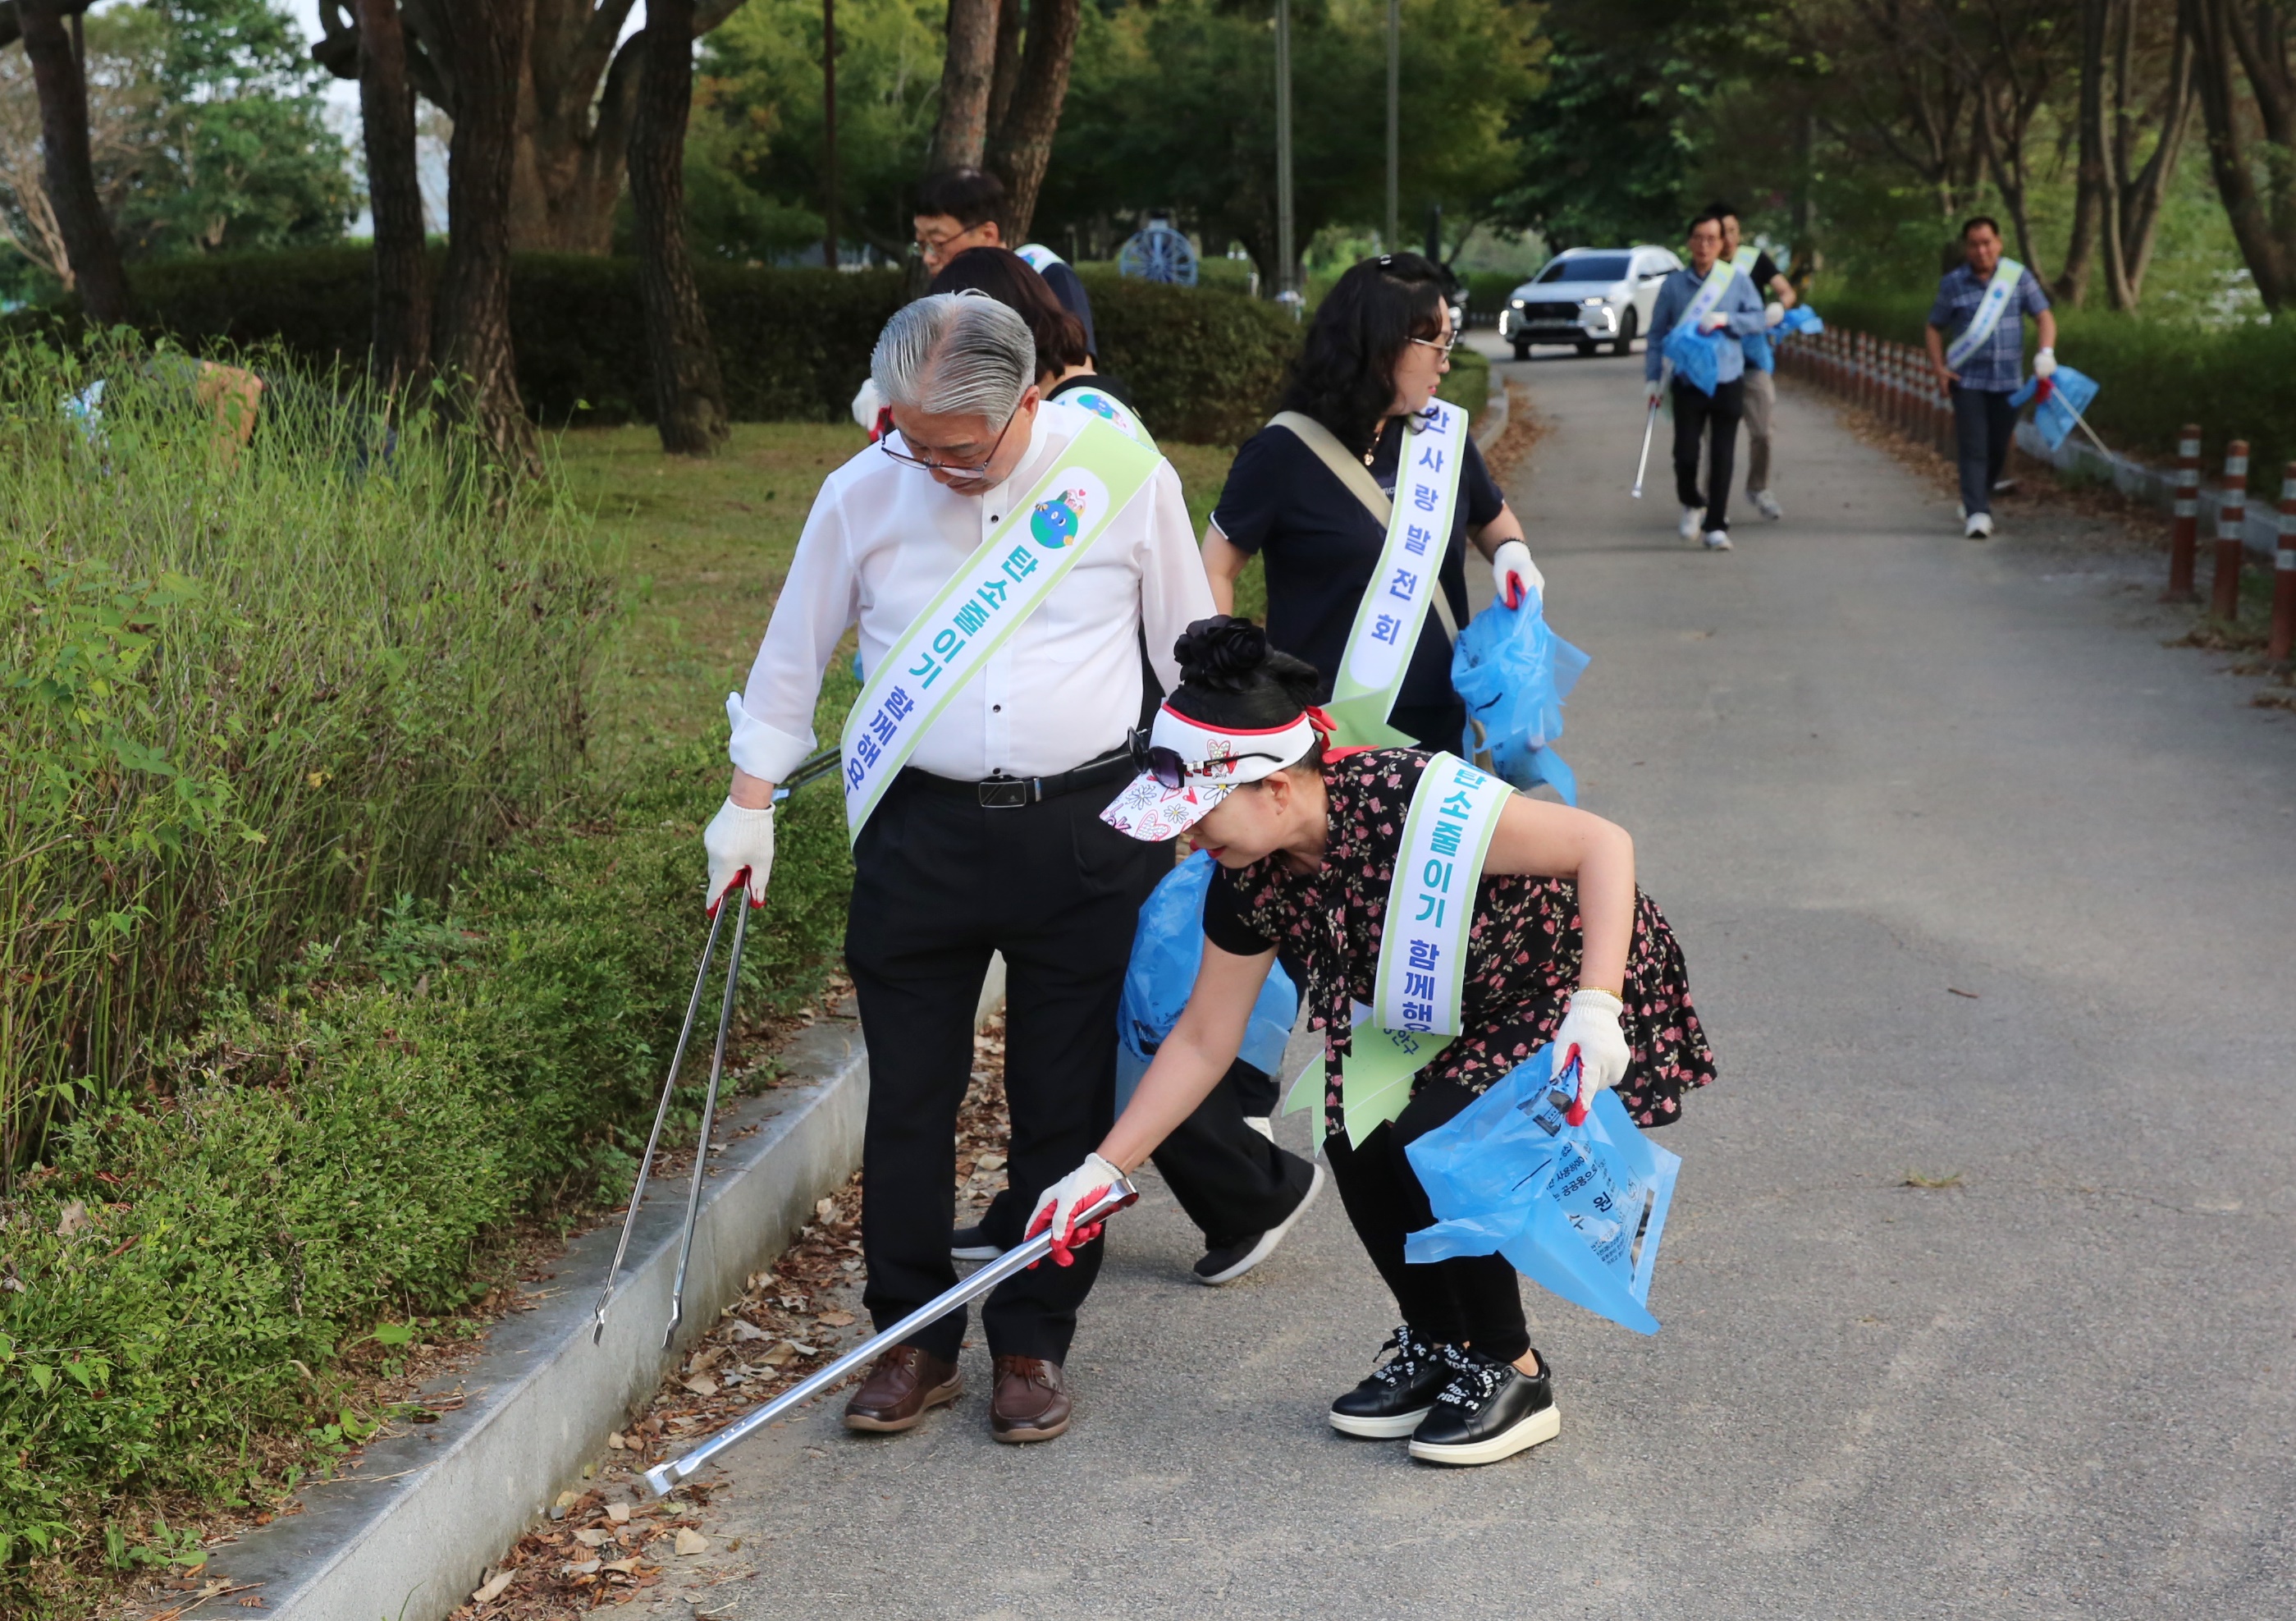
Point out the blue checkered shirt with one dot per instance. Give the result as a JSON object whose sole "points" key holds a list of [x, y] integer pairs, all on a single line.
{"points": [[1998, 365]]}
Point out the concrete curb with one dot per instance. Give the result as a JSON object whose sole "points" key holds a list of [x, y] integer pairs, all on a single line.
{"points": [[1493, 421], [2260, 531], [406, 1538]]}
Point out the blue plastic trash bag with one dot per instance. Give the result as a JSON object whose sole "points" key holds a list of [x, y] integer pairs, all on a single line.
{"points": [[1513, 673], [2065, 398], [1578, 1209], [1167, 947], [1802, 318], [1697, 356]]}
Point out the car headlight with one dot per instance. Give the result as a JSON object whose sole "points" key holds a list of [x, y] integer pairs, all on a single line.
{"points": [[1593, 303], [1514, 304]]}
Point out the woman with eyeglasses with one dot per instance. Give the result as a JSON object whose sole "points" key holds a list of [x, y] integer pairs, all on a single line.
{"points": [[1555, 944], [1377, 349]]}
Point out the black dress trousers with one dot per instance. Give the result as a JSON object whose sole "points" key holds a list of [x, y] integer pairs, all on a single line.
{"points": [[938, 883]]}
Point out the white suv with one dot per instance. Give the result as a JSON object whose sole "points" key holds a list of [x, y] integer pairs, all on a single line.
{"points": [[1589, 297]]}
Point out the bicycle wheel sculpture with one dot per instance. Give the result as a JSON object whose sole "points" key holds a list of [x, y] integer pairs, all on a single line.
{"points": [[1157, 252]]}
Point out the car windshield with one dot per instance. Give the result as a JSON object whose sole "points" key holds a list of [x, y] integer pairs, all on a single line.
{"points": [[1587, 267]]}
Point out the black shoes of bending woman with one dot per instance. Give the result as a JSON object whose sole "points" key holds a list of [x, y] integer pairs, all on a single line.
{"points": [[1456, 1406]]}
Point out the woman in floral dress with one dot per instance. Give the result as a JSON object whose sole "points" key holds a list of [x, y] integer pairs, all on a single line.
{"points": [[1563, 949]]}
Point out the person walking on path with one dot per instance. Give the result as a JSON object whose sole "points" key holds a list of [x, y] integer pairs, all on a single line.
{"points": [[1002, 563], [1976, 340], [1711, 296], [1550, 941], [1761, 361], [1243, 1192], [1314, 492]]}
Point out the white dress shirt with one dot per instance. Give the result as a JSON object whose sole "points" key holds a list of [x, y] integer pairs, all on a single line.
{"points": [[881, 540]]}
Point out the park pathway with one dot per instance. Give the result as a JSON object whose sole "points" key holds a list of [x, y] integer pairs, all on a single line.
{"points": [[1979, 886]]}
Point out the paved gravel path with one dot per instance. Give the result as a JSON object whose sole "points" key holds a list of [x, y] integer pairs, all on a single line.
{"points": [[1978, 882]]}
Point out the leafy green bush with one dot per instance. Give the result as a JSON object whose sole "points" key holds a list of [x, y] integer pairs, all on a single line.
{"points": [[184, 1278], [793, 344], [250, 692]]}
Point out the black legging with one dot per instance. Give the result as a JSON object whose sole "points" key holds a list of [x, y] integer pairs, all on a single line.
{"points": [[1469, 1300]]}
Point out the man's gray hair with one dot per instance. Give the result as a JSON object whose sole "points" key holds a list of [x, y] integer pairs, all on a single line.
{"points": [[954, 354]]}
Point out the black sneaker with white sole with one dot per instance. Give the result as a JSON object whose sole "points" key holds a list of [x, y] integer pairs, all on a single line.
{"points": [[1230, 1262], [1489, 1410], [1399, 1394], [973, 1244]]}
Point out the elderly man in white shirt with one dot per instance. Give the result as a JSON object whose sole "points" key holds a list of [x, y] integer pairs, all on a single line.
{"points": [[989, 837]]}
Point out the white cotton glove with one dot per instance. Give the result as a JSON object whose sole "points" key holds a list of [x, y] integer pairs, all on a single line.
{"points": [[1515, 574], [1715, 321], [1590, 1030], [1653, 393], [735, 839], [867, 403], [1060, 1204], [2045, 363], [1773, 314]]}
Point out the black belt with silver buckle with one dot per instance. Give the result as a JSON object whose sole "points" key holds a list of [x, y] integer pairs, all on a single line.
{"points": [[1014, 793]]}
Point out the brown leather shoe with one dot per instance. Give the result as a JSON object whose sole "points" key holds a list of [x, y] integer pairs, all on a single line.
{"points": [[904, 1383], [1031, 1400]]}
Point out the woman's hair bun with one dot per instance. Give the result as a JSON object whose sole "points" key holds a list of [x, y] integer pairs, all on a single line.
{"points": [[1222, 654]]}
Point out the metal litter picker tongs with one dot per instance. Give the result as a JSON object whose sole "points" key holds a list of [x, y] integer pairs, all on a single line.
{"points": [[663, 1478], [733, 899]]}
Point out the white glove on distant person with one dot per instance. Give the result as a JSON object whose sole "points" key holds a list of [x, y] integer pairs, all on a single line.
{"points": [[1590, 1029], [1773, 313], [1515, 574], [1653, 393], [1060, 1204], [2045, 363], [738, 838], [1715, 321]]}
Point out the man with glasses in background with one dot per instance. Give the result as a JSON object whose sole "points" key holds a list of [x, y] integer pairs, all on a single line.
{"points": [[963, 207], [1001, 562]]}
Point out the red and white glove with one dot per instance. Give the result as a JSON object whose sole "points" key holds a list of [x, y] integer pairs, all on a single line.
{"points": [[2045, 363], [1514, 575], [1590, 1033], [1715, 321], [738, 840], [1060, 1204]]}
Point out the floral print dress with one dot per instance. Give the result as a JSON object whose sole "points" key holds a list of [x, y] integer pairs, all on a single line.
{"points": [[1522, 951]]}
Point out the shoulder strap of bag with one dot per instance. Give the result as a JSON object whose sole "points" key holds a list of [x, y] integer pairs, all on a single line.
{"points": [[1356, 479]]}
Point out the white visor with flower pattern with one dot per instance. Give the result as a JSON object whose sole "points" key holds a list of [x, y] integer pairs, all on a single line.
{"points": [[1188, 766]]}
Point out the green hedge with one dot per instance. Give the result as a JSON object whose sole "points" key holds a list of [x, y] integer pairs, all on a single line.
{"points": [[1203, 362], [2236, 381], [348, 1149]]}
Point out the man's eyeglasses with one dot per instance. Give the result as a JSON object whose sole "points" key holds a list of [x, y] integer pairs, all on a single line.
{"points": [[950, 468]]}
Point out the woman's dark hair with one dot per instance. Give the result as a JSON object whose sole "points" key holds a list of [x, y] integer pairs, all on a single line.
{"points": [[1229, 676], [1013, 281], [1344, 375]]}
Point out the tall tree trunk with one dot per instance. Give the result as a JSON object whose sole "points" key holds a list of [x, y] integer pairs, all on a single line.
{"points": [[1022, 145], [689, 391], [2142, 195], [828, 133], [2221, 47], [967, 71], [486, 45], [61, 82], [1007, 77], [2097, 190], [402, 272]]}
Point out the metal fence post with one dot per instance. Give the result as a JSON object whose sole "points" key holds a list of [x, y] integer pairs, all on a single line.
{"points": [[2232, 521]]}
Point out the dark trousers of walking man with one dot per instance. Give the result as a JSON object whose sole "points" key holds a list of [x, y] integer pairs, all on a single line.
{"points": [[1713, 421], [1984, 425]]}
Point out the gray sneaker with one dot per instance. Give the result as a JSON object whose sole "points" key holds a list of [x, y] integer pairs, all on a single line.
{"points": [[1718, 541], [1767, 506]]}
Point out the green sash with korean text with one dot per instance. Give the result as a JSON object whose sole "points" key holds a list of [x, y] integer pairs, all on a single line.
{"points": [[1990, 308], [1097, 476], [1394, 604], [1423, 948]]}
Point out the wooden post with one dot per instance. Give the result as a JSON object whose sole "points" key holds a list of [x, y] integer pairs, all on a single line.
{"points": [[2183, 529], [2232, 523]]}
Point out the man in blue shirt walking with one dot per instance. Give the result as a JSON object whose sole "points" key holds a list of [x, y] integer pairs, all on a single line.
{"points": [[1699, 416], [1977, 348]]}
